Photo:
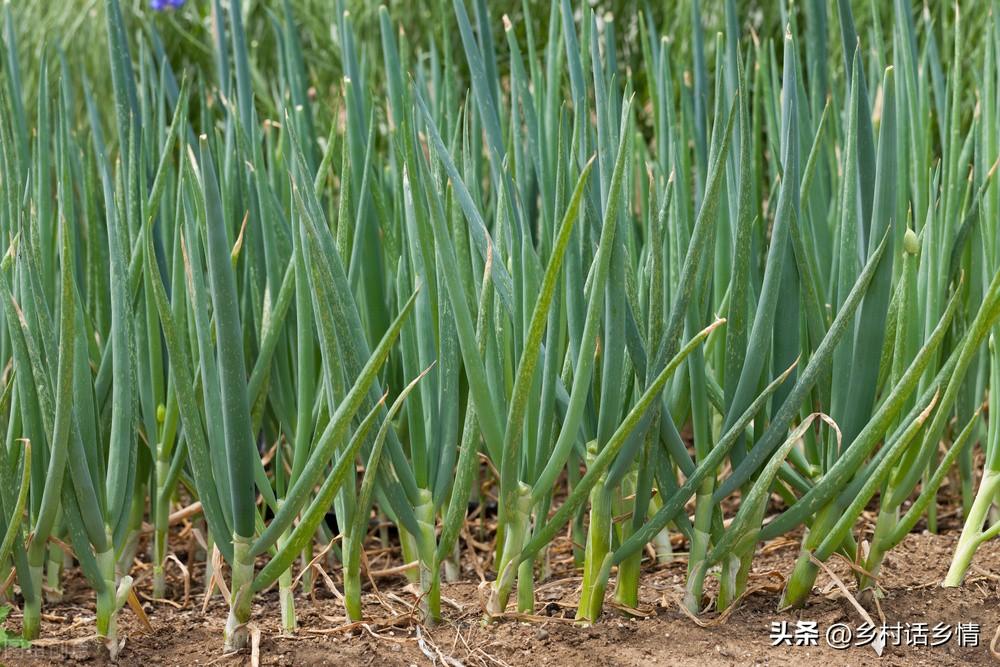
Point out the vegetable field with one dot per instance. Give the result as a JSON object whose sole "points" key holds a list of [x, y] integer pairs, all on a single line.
{"points": [[620, 334]]}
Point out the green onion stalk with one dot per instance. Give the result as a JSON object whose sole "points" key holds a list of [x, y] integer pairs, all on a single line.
{"points": [[240, 446], [504, 443], [765, 332], [626, 591], [501, 588], [976, 530], [979, 515], [805, 381], [893, 466], [53, 573], [170, 451], [40, 404], [11, 550], [857, 387], [597, 549], [162, 495], [891, 528], [638, 484], [352, 576]]}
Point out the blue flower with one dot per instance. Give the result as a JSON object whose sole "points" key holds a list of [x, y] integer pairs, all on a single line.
{"points": [[162, 5]]}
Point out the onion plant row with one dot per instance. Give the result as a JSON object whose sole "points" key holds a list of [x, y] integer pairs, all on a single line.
{"points": [[745, 289]]}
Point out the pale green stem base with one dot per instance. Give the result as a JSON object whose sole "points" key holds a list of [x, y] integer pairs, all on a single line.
{"points": [[286, 597], [161, 520], [599, 584], [408, 543], [53, 575], [598, 547], [888, 518], [662, 547], [932, 526], [800, 584], [515, 531], [694, 586], [352, 577], [352, 588], [235, 636], [627, 583], [159, 582], [131, 547], [698, 552], [972, 531], [545, 563], [31, 622], [308, 577], [526, 587], [110, 599], [429, 573], [526, 578], [452, 566], [496, 604], [734, 577]]}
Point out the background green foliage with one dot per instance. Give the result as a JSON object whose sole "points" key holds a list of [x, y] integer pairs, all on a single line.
{"points": [[77, 29]]}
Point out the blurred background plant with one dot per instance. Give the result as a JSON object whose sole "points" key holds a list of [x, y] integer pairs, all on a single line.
{"points": [[77, 29]]}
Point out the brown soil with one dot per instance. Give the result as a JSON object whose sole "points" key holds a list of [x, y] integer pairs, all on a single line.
{"points": [[666, 636]]}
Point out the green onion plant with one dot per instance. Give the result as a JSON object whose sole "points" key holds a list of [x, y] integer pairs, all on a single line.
{"points": [[632, 280]]}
